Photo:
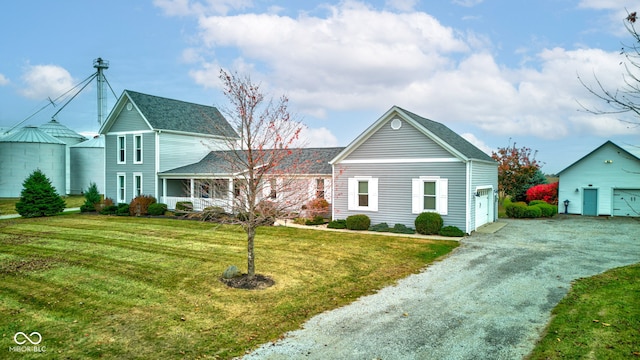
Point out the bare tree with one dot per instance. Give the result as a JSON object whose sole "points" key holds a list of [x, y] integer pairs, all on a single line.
{"points": [[627, 98], [262, 164]]}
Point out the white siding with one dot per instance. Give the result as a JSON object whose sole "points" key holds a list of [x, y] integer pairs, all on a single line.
{"points": [[595, 172]]}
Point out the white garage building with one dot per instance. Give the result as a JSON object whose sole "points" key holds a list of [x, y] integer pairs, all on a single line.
{"points": [[604, 182]]}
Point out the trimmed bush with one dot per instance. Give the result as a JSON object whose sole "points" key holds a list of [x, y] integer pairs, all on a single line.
{"points": [[402, 229], [139, 206], [123, 209], [452, 231], [532, 212], [317, 220], [337, 224], [39, 197], [358, 222], [428, 223], [109, 210], [157, 209], [382, 227], [516, 210], [547, 210], [184, 206]]}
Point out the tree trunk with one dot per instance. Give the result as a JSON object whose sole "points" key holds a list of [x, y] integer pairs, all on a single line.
{"points": [[251, 266]]}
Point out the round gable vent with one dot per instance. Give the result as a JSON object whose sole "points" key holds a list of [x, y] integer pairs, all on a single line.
{"points": [[396, 124]]}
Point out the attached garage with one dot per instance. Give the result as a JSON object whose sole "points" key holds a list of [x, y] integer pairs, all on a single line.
{"points": [[626, 202]]}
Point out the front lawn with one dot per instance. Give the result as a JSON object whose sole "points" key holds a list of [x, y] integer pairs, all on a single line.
{"points": [[598, 319], [124, 287]]}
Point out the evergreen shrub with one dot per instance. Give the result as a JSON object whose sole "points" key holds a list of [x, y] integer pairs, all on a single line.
{"points": [[91, 198], [547, 210], [337, 224], [157, 209], [382, 227], [516, 209], [123, 209], [428, 223], [317, 220], [38, 197], [358, 222], [402, 229], [452, 231], [109, 210]]}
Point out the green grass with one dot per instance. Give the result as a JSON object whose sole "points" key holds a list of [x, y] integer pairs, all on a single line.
{"points": [[8, 205], [598, 319], [125, 287]]}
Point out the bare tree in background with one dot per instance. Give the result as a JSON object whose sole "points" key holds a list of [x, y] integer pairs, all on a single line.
{"points": [[627, 98], [262, 161]]}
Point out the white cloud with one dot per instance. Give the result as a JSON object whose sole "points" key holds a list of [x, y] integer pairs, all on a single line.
{"points": [[478, 143], [317, 137], [44, 81], [3, 80], [340, 62]]}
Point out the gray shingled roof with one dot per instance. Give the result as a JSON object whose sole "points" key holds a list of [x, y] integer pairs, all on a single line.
{"points": [[169, 114], [450, 137], [313, 160]]}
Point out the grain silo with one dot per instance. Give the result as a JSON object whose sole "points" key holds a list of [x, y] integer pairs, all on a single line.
{"points": [[69, 137], [87, 165], [26, 150]]}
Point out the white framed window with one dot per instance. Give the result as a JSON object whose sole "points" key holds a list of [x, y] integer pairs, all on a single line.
{"points": [[137, 149], [429, 193], [319, 188], [363, 193], [121, 185], [137, 184], [122, 149]]}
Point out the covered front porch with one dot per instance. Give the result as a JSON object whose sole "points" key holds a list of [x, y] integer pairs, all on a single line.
{"points": [[201, 192]]}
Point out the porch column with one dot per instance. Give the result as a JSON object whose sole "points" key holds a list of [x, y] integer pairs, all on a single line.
{"points": [[191, 187], [164, 190], [231, 195]]}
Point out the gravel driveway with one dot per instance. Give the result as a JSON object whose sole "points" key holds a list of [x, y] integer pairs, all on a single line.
{"points": [[490, 299]]}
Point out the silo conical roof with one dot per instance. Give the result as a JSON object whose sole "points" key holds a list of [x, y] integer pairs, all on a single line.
{"points": [[96, 142], [54, 128], [31, 134]]}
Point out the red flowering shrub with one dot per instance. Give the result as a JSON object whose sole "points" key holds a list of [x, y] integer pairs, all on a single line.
{"points": [[545, 192]]}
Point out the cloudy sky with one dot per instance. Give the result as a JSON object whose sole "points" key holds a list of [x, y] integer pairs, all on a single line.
{"points": [[495, 71]]}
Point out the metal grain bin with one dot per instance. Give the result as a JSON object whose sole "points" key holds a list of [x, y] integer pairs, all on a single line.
{"points": [[26, 150], [87, 165], [69, 137]]}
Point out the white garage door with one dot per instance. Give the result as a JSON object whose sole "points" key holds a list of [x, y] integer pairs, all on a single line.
{"points": [[483, 209], [626, 202]]}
